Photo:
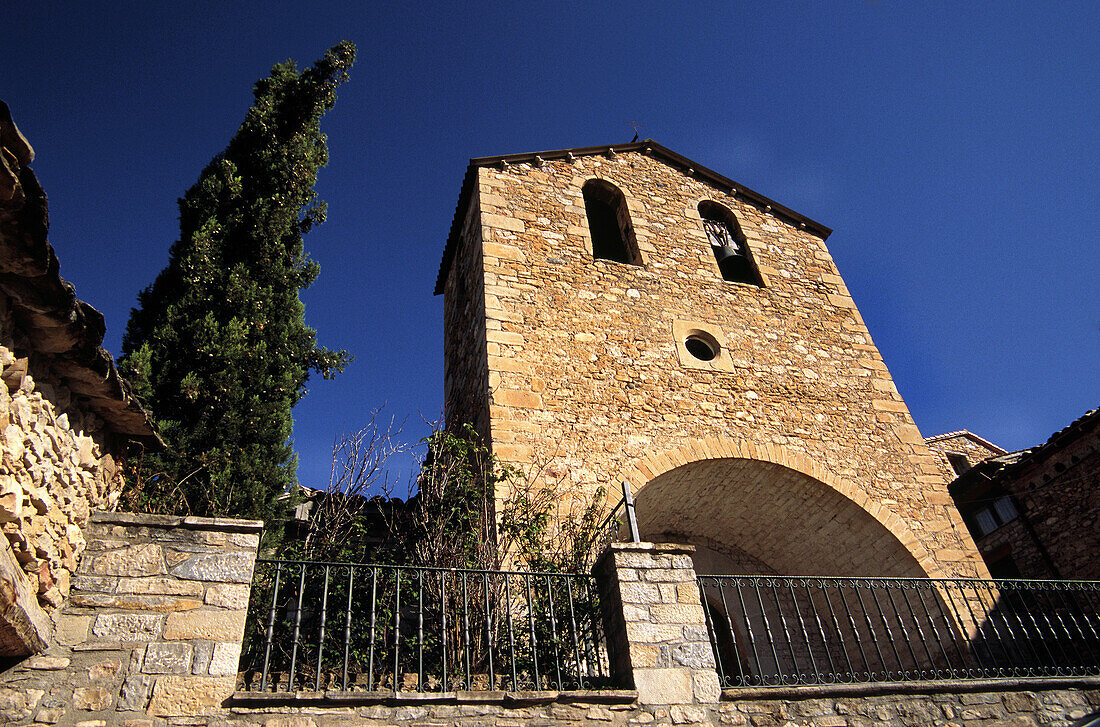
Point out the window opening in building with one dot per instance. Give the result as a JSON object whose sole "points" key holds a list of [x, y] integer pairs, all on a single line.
{"points": [[702, 346], [989, 518], [609, 223], [729, 245], [959, 462]]}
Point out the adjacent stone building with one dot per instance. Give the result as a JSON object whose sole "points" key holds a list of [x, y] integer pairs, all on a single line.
{"points": [[65, 415], [624, 313], [1033, 513]]}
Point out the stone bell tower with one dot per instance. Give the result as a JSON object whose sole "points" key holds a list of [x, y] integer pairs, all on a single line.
{"points": [[627, 314]]}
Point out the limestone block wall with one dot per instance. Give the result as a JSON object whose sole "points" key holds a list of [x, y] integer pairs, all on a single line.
{"points": [[152, 629], [656, 629], [56, 467], [585, 371]]}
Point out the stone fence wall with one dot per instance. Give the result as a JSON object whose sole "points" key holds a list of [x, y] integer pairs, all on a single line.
{"points": [[151, 637], [152, 628]]}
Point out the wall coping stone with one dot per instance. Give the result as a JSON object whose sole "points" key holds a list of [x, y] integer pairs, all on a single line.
{"points": [[190, 522], [335, 698], [953, 686], [654, 548]]}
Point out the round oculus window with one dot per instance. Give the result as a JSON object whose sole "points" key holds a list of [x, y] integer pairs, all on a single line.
{"points": [[701, 346]]}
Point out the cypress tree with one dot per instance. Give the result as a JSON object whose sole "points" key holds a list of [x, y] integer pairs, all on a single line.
{"points": [[218, 346]]}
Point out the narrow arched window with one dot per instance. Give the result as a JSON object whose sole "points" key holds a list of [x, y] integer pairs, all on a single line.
{"points": [[609, 223], [730, 247]]}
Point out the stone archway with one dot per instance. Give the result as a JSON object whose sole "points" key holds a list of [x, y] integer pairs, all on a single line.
{"points": [[776, 506]]}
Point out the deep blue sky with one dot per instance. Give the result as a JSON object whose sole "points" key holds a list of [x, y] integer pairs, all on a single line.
{"points": [[953, 147]]}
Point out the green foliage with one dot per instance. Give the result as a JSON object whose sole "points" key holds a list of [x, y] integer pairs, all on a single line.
{"points": [[468, 510], [218, 346]]}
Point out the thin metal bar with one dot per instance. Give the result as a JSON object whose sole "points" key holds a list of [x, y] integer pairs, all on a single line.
{"points": [[820, 629], [748, 625], [712, 632], [373, 614], [855, 632], [573, 630], [297, 627], [271, 629], [978, 622], [932, 620], [420, 575], [397, 631], [489, 631], [466, 633], [920, 632], [321, 634], [839, 631], [347, 626], [768, 633], [886, 626], [534, 641], [870, 628], [554, 632], [592, 645], [631, 516], [805, 635], [443, 619], [511, 632]]}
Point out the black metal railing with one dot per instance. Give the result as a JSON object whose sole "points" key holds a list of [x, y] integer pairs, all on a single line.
{"points": [[774, 631], [345, 627]]}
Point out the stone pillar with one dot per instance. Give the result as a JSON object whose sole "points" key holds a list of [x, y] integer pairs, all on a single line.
{"points": [[153, 626], [656, 629]]}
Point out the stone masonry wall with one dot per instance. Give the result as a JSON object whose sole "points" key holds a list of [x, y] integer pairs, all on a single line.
{"points": [[152, 629], [1059, 497], [974, 449], [585, 372], [55, 468], [1015, 706], [466, 372]]}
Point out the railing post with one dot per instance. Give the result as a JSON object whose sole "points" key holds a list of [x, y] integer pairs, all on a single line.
{"points": [[656, 629]]}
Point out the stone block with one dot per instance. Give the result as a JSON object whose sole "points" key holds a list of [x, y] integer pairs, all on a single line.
{"points": [[705, 686], [129, 602], [91, 699], [226, 659], [664, 686], [159, 586], [46, 663], [134, 696], [163, 658], [104, 670], [682, 714], [49, 715], [189, 695], [228, 595], [204, 652], [146, 559], [676, 613], [127, 627], [234, 567], [205, 624]]}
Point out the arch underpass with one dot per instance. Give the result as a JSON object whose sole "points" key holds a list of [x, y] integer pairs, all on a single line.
{"points": [[769, 518]]}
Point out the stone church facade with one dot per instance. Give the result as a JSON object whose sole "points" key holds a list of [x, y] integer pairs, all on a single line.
{"points": [[625, 314]]}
